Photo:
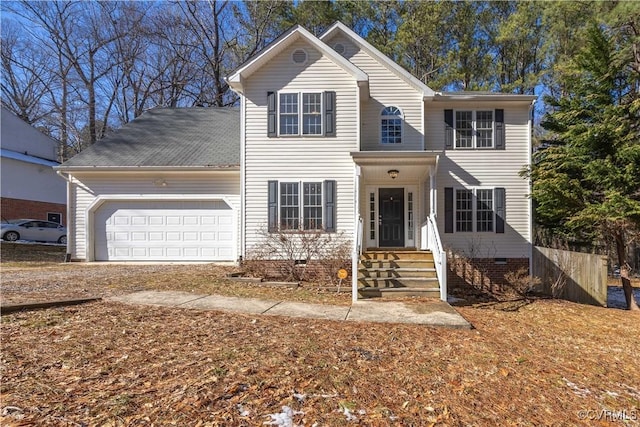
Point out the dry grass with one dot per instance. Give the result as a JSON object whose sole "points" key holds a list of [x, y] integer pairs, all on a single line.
{"points": [[112, 364], [30, 273]]}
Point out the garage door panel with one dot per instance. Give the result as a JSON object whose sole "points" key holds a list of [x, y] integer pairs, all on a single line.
{"points": [[164, 231]]}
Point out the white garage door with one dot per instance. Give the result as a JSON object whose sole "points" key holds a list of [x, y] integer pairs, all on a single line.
{"points": [[164, 231]]}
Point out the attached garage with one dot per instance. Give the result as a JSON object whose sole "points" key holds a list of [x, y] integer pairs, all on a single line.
{"points": [[165, 187], [164, 231]]}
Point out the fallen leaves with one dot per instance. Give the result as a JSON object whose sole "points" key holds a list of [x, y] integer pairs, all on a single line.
{"points": [[111, 364]]}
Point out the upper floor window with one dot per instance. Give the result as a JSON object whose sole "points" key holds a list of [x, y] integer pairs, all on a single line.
{"points": [[474, 129], [289, 114], [301, 113], [391, 126]]}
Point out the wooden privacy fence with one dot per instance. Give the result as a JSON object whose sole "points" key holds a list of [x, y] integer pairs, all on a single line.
{"points": [[573, 276]]}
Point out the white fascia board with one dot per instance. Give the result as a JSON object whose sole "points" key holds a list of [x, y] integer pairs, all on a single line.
{"points": [[236, 79], [485, 97], [381, 57], [26, 158], [145, 168]]}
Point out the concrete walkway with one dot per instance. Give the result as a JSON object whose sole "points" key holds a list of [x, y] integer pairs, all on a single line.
{"points": [[431, 313]]}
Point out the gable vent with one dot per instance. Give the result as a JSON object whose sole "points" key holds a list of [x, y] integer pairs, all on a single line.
{"points": [[339, 47], [299, 56]]}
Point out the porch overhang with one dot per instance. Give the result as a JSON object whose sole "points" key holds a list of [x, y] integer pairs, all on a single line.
{"points": [[412, 166]]}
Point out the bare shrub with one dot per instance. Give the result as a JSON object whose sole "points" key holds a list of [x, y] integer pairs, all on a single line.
{"points": [[298, 255], [521, 282]]}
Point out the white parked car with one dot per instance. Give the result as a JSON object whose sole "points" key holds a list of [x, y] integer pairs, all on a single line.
{"points": [[33, 229]]}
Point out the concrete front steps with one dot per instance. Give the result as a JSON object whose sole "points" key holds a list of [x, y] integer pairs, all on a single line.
{"points": [[397, 272]]}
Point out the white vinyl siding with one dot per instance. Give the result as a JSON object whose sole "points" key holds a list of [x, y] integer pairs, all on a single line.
{"points": [[87, 187], [298, 158], [386, 89], [485, 169]]}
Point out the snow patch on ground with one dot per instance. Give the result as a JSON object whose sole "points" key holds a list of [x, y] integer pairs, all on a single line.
{"points": [[582, 392], [32, 242], [284, 418], [615, 297]]}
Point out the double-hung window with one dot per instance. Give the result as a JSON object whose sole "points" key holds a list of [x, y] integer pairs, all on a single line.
{"points": [[474, 129], [289, 206], [302, 205], [289, 123], [301, 114], [312, 114], [484, 210], [474, 210], [464, 210], [296, 108]]}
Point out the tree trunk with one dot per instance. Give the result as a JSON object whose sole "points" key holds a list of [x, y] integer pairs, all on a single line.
{"points": [[621, 249]]}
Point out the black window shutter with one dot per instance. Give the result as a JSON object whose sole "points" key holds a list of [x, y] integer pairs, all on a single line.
{"points": [[272, 119], [500, 139], [330, 206], [329, 114], [272, 215], [448, 210], [499, 195], [448, 129]]}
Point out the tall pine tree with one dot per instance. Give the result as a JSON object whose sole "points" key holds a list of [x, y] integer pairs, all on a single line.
{"points": [[588, 183]]}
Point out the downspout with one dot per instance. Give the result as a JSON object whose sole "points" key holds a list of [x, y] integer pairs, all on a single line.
{"points": [[70, 229], [530, 204]]}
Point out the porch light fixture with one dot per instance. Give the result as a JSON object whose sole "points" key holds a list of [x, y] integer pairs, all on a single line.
{"points": [[393, 173]]}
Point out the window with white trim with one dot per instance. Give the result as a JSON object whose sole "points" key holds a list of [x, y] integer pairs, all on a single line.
{"points": [[464, 210], [312, 205], [474, 129], [292, 112], [312, 114], [484, 210], [289, 206], [391, 125], [474, 210], [298, 207]]}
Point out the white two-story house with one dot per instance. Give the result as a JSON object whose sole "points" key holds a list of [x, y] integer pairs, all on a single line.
{"points": [[332, 136]]}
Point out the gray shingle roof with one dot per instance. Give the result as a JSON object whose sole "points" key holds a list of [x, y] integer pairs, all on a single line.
{"points": [[179, 137]]}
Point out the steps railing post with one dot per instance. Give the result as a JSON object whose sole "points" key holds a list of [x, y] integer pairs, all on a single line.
{"points": [[443, 274]]}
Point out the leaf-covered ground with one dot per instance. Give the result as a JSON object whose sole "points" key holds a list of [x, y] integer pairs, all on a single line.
{"points": [[545, 363], [112, 364]]}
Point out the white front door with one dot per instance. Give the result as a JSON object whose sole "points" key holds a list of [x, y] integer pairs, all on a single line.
{"points": [[164, 231]]}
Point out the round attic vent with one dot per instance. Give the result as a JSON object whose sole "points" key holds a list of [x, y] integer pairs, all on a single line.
{"points": [[299, 56], [339, 47]]}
